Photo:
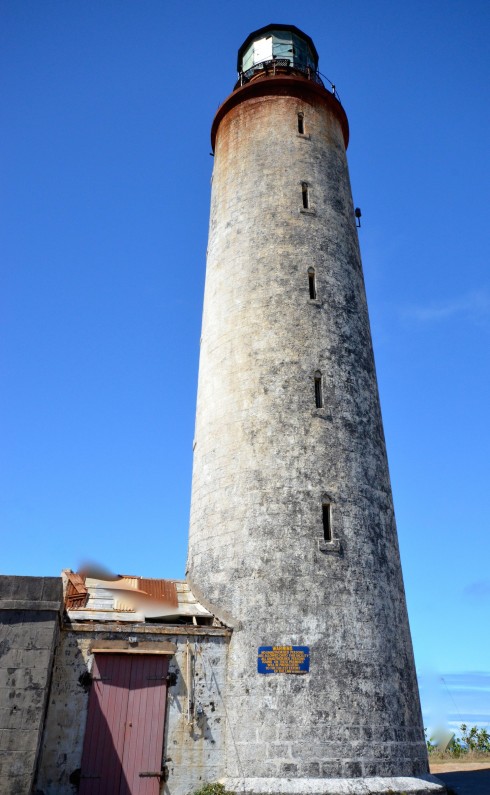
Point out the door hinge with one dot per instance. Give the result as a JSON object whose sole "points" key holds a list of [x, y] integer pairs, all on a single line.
{"points": [[161, 774], [170, 679]]}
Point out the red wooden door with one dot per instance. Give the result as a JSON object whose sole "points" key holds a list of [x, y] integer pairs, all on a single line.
{"points": [[143, 745], [125, 725]]}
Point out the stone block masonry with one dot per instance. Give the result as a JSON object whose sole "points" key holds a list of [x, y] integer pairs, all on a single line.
{"points": [[29, 627], [266, 458]]}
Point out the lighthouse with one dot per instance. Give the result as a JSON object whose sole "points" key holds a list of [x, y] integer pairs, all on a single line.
{"points": [[292, 538]]}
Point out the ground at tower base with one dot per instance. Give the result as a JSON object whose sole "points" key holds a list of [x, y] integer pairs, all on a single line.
{"points": [[396, 785], [464, 778]]}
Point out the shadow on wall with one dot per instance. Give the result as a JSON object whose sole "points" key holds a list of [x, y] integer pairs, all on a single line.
{"points": [[125, 724]]}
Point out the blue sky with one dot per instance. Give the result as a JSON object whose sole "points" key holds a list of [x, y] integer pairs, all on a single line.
{"points": [[106, 109]]}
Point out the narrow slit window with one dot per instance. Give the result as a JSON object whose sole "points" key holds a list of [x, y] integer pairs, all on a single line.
{"points": [[318, 390], [312, 282], [327, 521], [305, 194], [301, 123]]}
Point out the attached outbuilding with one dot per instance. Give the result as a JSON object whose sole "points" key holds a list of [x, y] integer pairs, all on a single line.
{"points": [[135, 692]]}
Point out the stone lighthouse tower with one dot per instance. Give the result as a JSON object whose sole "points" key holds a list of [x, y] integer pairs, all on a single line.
{"points": [[292, 535]]}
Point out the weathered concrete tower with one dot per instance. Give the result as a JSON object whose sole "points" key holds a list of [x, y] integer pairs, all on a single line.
{"points": [[292, 535]]}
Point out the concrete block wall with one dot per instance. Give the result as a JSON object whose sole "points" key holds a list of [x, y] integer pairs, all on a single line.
{"points": [[29, 628]]}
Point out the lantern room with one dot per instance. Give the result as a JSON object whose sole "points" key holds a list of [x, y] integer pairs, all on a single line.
{"points": [[273, 47]]}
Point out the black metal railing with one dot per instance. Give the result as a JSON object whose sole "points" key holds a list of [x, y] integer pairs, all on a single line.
{"points": [[275, 66]]}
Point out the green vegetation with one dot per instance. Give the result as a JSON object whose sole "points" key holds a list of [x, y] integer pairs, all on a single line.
{"points": [[474, 743], [213, 789]]}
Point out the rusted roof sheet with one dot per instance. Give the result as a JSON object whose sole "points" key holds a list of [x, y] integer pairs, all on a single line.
{"points": [[163, 590], [76, 593]]}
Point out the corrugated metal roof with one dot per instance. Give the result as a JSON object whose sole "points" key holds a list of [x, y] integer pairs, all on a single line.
{"points": [[130, 598], [160, 589]]}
